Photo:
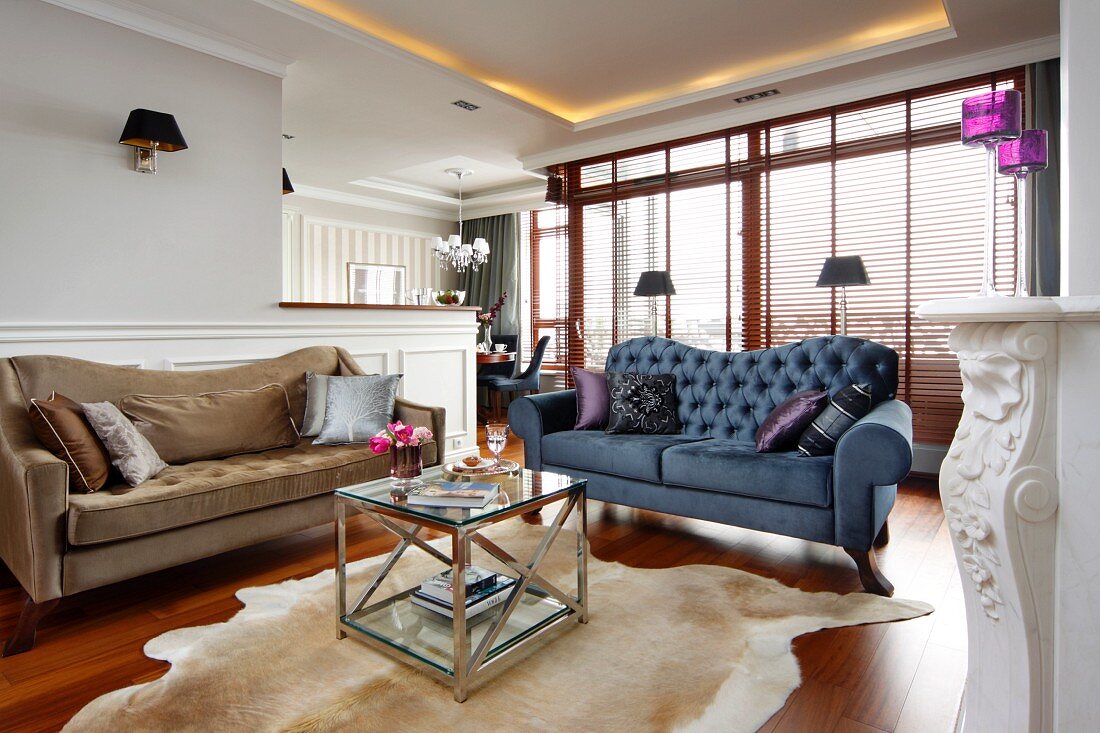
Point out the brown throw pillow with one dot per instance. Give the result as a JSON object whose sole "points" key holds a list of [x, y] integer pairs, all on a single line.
{"points": [[62, 428], [189, 428]]}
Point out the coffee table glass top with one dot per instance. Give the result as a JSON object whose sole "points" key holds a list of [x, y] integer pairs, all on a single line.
{"points": [[524, 488]]}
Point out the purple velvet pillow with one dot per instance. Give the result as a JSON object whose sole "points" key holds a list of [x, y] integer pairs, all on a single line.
{"points": [[789, 419], [593, 399]]}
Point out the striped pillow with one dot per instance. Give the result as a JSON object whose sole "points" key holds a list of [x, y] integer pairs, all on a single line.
{"points": [[842, 412]]}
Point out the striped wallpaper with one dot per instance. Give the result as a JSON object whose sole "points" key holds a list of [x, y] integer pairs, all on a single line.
{"points": [[328, 246]]}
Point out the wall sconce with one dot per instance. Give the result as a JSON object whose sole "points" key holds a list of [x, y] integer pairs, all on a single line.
{"points": [[148, 132], [287, 188]]}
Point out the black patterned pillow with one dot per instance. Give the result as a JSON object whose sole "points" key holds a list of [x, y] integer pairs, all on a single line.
{"points": [[845, 408], [642, 403]]}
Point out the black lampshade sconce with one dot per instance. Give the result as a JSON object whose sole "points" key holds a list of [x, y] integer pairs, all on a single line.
{"points": [[287, 187], [653, 284], [841, 272], [148, 131]]}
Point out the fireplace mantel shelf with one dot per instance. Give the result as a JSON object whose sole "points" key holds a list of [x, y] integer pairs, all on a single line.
{"points": [[1005, 309]]}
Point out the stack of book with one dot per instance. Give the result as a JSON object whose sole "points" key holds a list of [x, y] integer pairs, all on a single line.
{"points": [[484, 590], [453, 493]]}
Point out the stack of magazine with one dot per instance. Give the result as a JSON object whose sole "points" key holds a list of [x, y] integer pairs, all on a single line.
{"points": [[453, 493], [484, 590]]}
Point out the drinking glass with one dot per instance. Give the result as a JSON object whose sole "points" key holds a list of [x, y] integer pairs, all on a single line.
{"points": [[496, 437]]}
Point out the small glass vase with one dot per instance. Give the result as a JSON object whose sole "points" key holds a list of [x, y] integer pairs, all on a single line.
{"points": [[406, 466], [487, 337]]}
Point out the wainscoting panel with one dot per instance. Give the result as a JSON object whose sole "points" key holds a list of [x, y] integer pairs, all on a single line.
{"points": [[446, 379], [434, 348]]}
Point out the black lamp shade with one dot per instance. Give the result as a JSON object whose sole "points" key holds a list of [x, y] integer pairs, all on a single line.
{"points": [[655, 282], [145, 127], [843, 271], [287, 188]]}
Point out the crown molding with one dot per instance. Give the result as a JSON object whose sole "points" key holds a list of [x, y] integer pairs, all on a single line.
{"points": [[520, 198], [370, 202], [1039, 49], [175, 30], [762, 80], [404, 189], [325, 23]]}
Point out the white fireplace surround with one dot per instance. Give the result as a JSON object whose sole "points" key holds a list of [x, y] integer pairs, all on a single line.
{"points": [[1018, 487]]}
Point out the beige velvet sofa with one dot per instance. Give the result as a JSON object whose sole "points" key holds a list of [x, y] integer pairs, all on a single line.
{"points": [[58, 543]]}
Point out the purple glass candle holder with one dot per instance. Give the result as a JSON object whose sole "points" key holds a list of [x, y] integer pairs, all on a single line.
{"points": [[1019, 158], [1024, 155], [991, 118]]}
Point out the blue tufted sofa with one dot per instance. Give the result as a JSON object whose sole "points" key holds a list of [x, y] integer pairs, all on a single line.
{"points": [[712, 470]]}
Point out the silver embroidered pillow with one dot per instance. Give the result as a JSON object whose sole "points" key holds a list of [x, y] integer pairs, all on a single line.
{"points": [[356, 408], [131, 453]]}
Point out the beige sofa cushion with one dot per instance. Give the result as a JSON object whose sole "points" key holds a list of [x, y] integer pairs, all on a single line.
{"points": [[197, 492], [89, 381], [189, 428]]}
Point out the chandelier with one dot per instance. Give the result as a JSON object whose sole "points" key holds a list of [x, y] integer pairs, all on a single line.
{"points": [[453, 253]]}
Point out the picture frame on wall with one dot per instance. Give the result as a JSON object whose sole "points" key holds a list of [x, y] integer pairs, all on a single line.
{"points": [[375, 284]]}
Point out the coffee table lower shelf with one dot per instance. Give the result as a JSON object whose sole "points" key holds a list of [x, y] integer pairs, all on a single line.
{"points": [[425, 638]]}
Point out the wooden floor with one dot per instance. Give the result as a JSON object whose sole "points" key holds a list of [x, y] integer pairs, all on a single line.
{"points": [[905, 676]]}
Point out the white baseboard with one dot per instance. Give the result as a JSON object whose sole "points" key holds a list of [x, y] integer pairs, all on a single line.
{"points": [[927, 458]]}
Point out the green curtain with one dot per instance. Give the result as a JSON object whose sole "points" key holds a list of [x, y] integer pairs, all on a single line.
{"points": [[1045, 206], [500, 273]]}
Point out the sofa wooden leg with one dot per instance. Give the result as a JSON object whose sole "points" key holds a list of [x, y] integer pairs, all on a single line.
{"points": [[883, 535], [22, 637], [872, 578]]}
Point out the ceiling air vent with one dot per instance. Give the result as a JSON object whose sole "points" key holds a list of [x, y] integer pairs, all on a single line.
{"points": [[756, 96], [468, 106]]}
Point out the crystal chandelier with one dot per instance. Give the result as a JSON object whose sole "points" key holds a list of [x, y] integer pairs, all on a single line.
{"points": [[453, 253]]}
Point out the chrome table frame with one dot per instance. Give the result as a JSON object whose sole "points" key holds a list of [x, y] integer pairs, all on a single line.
{"points": [[468, 662]]}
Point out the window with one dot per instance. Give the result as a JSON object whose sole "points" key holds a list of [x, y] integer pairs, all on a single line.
{"points": [[550, 284], [743, 219]]}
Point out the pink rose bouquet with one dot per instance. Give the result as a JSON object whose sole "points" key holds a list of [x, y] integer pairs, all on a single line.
{"points": [[400, 435]]}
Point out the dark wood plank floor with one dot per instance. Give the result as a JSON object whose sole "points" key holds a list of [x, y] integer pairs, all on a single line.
{"points": [[905, 676]]}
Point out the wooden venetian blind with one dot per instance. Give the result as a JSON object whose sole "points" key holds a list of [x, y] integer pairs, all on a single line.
{"points": [[744, 218]]}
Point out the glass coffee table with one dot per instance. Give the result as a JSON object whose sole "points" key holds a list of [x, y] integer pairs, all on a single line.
{"points": [[452, 649]]}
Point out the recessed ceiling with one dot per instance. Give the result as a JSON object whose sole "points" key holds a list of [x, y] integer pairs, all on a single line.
{"points": [[365, 109], [594, 62]]}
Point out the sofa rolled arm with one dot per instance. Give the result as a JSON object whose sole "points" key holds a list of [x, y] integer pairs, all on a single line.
{"points": [[537, 415], [434, 418], [871, 458], [34, 497]]}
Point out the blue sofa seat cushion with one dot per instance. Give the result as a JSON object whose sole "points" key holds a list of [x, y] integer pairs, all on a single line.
{"points": [[734, 467], [630, 456]]}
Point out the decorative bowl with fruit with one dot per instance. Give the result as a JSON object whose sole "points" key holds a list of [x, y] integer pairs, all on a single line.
{"points": [[449, 297]]}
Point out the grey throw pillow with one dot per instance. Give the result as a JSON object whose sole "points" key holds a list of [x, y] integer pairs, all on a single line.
{"points": [[131, 453], [356, 408]]}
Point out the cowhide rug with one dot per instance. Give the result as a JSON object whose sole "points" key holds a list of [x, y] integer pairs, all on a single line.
{"points": [[694, 648]]}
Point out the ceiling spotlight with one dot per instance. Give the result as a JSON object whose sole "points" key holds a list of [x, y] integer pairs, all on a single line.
{"points": [[463, 104]]}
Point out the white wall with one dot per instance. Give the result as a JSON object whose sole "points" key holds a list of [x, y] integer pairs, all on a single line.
{"points": [[1077, 625], [1079, 148], [83, 236]]}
